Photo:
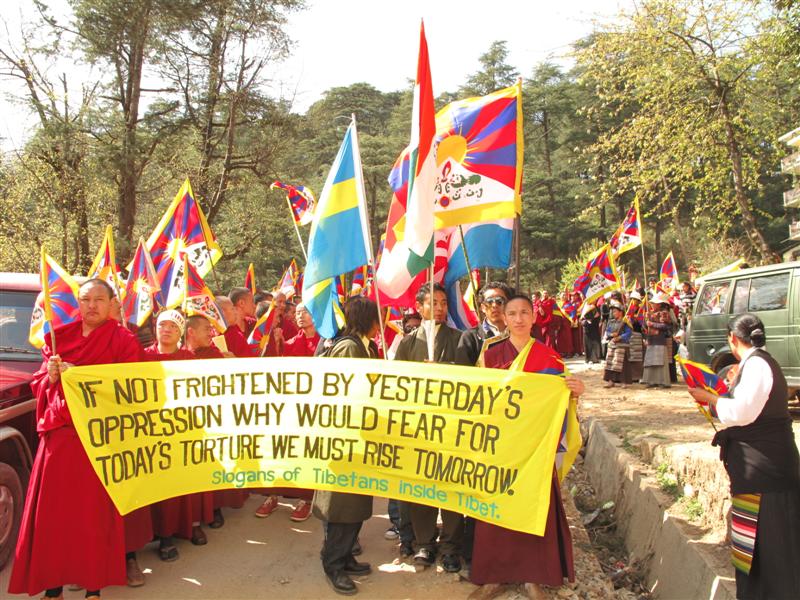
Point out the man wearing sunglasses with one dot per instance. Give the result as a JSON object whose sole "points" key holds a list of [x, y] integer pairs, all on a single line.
{"points": [[492, 299]]}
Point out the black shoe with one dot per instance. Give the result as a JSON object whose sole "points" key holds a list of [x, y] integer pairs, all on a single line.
{"points": [[357, 549], [451, 563], [341, 583], [218, 521], [406, 550], [424, 557], [353, 567]]}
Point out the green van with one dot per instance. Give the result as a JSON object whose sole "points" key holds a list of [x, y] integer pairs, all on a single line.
{"points": [[771, 292]]}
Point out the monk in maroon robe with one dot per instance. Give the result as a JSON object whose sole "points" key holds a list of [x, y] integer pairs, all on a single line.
{"points": [[71, 532], [234, 335], [303, 344], [502, 556]]}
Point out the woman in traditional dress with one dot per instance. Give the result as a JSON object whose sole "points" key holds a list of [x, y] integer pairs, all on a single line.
{"points": [[502, 556], [761, 458], [658, 336], [617, 336]]}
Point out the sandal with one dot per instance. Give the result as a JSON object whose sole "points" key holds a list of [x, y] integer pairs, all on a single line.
{"points": [[198, 536], [218, 521], [168, 553]]}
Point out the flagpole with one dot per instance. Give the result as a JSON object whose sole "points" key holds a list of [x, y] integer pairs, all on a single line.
{"points": [[369, 248], [475, 303], [297, 229], [431, 323], [644, 262]]}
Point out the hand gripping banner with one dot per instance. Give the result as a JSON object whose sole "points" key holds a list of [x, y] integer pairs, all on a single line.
{"points": [[477, 441]]}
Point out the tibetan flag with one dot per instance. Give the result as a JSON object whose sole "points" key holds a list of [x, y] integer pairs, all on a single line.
{"points": [[141, 289], [599, 276], [634, 313], [288, 283], [339, 238], [263, 328], [250, 279], [629, 234], [57, 305], [340, 293], [182, 230], [198, 298], [409, 248], [570, 309], [105, 264], [668, 281], [479, 155], [697, 375], [360, 280], [301, 201]]}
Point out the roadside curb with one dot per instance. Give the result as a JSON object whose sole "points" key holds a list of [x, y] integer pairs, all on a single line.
{"points": [[676, 563]]}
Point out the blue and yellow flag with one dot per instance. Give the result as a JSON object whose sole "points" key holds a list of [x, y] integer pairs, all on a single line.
{"points": [[339, 239]]}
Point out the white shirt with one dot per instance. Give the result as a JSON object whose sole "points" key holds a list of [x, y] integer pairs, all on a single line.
{"points": [[750, 396]]}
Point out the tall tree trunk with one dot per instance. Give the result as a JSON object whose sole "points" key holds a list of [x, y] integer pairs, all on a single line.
{"points": [[555, 247], [735, 154]]}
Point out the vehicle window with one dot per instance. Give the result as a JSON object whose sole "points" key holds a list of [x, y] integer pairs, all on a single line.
{"points": [[15, 322], [713, 298], [769, 293], [741, 295]]}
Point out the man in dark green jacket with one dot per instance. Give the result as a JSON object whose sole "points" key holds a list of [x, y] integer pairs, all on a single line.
{"points": [[344, 514], [414, 347]]}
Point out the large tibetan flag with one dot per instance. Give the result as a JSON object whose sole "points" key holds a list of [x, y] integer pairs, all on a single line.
{"points": [[599, 276], [668, 280], [629, 234], [409, 245], [57, 305], [288, 283], [250, 279], [199, 299], [339, 238], [105, 264], [182, 230], [141, 289], [479, 154], [301, 201]]}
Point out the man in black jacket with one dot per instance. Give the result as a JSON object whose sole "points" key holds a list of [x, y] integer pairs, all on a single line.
{"points": [[492, 299]]}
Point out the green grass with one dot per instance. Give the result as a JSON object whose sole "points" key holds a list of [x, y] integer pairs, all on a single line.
{"points": [[668, 481], [693, 508]]}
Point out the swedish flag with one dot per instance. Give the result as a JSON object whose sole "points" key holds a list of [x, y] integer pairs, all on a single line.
{"points": [[339, 239]]}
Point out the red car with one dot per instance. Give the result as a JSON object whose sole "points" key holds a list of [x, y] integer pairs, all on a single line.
{"points": [[18, 438]]}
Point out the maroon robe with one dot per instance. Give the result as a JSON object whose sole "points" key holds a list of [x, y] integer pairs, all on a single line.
{"points": [[174, 516], [502, 555], [237, 343], [564, 344], [71, 532], [301, 345]]}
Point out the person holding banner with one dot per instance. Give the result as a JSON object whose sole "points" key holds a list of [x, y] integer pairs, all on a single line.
{"points": [[71, 532], [178, 516], [235, 340], [492, 299], [503, 556], [414, 347], [344, 514], [303, 344], [760, 455]]}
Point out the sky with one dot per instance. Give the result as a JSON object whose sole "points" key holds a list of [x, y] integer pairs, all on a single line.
{"points": [[340, 42]]}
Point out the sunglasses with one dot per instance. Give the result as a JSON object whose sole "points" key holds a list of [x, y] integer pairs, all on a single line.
{"points": [[495, 300]]}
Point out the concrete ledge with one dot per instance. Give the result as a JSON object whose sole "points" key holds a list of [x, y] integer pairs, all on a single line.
{"points": [[676, 562]]}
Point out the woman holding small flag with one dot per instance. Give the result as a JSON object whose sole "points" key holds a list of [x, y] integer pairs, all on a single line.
{"points": [[761, 458], [502, 556]]}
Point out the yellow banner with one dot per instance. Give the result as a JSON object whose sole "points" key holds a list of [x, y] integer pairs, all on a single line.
{"points": [[477, 441]]}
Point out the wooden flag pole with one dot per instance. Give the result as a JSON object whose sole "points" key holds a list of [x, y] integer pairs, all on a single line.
{"points": [[431, 321], [370, 251], [296, 229]]}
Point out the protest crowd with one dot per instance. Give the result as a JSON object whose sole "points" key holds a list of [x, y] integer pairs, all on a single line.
{"points": [[401, 306]]}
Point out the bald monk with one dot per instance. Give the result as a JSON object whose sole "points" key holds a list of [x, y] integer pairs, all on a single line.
{"points": [[71, 533], [234, 335]]}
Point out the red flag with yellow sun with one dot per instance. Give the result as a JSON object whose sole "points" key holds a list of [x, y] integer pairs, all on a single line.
{"points": [[183, 230], [479, 145]]}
